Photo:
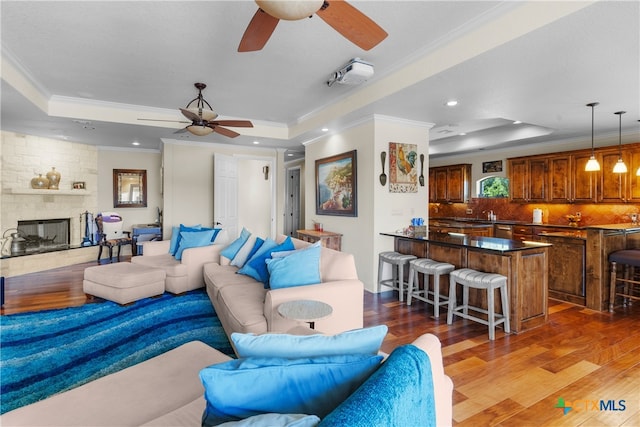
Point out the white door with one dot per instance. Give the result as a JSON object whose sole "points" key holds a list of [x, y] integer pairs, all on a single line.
{"points": [[225, 197]]}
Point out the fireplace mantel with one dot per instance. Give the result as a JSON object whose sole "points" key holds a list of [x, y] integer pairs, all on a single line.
{"points": [[34, 192]]}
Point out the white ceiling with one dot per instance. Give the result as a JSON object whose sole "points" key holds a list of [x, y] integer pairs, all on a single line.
{"points": [[86, 71]]}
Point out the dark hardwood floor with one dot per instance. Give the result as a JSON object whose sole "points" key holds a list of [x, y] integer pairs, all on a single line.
{"points": [[590, 359]]}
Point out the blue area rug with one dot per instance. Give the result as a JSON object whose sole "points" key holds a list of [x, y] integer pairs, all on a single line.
{"points": [[46, 352]]}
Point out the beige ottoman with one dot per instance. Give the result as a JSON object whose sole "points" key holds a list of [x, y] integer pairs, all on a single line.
{"points": [[123, 282]]}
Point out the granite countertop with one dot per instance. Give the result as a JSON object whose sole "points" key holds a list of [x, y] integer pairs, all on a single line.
{"points": [[577, 234], [626, 227], [492, 244]]}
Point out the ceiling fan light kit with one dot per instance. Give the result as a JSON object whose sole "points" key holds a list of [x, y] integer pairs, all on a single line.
{"points": [[203, 117], [340, 15], [592, 165]]}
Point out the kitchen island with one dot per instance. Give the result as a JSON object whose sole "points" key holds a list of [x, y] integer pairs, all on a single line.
{"points": [[525, 264]]}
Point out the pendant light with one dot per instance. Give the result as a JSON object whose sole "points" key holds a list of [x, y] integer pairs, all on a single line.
{"points": [[620, 167], [592, 165]]}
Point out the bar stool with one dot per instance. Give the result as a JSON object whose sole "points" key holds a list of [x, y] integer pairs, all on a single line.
{"points": [[469, 278], [630, 259], [427, 267], [397, 261]]}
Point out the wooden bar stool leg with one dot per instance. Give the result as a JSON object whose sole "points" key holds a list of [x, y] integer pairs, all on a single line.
{"points": [[413, 277], [380, 266], [452, 300], [612, 290], [465, 299], [401, 281], [491, 315], [504, 296], [436, 293]]}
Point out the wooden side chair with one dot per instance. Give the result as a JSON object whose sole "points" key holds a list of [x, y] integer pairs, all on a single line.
{"points": [[110, 233]]}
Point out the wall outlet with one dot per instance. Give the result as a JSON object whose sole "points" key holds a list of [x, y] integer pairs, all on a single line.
{"points": [[469, 211]]}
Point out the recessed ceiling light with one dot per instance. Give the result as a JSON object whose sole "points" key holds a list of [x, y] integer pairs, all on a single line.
{"points": [[256, 142], [452, 103], [462, 133], [325, 129], [517, 122], [290, 154], [135, 143]]}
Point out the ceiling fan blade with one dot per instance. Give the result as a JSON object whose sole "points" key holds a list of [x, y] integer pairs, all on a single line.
{"points": [[224, 131], [233, 123], [352, 24], [191, 115], [161, 120], [258, 32]]}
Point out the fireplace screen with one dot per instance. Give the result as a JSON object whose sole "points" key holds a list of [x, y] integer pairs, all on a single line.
{"points": [[45, 234]]}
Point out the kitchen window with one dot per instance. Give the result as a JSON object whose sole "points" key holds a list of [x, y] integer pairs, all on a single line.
{"points": [[493, 187]]}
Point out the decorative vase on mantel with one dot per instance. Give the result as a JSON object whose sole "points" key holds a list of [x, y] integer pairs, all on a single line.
{"points": [[40, 182], [54, 179]]}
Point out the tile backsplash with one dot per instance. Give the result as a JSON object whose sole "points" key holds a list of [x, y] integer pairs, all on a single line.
{"points": [[552, 213]]}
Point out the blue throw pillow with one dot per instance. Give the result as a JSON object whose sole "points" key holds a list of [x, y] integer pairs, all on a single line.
{"points": [[300, 268], [287, 386], [247, 250], [258, 266], [193, 239], [274, 420], [357, 341], [175, 236], [233, 248], [215, 232], [266, 247], [399, 393]]}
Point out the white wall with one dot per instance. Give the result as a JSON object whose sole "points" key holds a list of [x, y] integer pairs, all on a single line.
{"points": [[255, 199], [188, 181], [378, 210], [149, 160]]}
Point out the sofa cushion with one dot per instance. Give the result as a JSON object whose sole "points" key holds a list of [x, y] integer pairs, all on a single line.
{"points": [[275, 420], [167, 262], [232, 249], [194, 239], [242, 306], [247, 250], [300, 267], [357, 341], [400, 393], [175, 236], [256, 267], [289, 386]]}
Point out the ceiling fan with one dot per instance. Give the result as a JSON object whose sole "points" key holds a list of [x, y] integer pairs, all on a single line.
{"points": [[344, 18], [203, 121]]}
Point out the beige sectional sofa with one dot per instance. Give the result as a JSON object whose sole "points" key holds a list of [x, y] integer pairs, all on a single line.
{"points": [[166, 391], [243, 305], [184, 275]]}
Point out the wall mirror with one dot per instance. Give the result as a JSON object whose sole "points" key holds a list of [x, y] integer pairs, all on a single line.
{"points": [[129, 188]]}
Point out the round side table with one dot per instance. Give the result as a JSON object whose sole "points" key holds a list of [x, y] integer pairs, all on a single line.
{"points": [[308, 311]]}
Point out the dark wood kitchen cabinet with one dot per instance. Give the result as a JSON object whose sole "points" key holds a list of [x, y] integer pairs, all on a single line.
{"points": [[568, 181], [528, 179], [450, 184]]}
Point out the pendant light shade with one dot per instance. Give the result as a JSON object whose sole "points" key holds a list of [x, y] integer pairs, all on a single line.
{"points": [[620, 167], [592, 165]]}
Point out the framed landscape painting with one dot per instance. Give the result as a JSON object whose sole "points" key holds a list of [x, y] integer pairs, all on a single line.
{"points": [[336, 185]]}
